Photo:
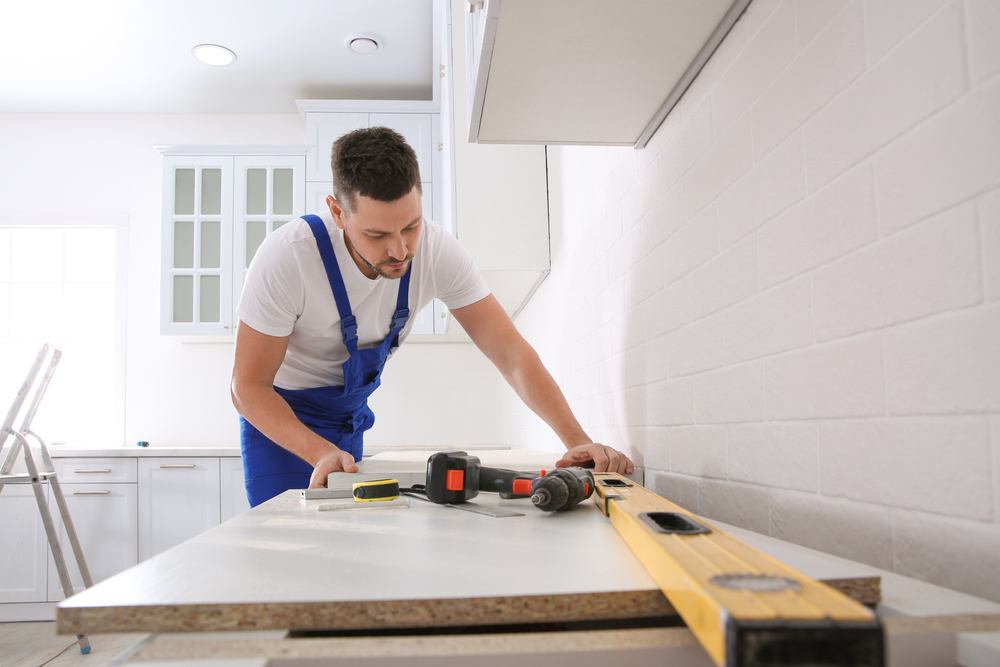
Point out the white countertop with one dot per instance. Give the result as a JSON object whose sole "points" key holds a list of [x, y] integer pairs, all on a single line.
{"points": [[285, 550], [69, 451]]}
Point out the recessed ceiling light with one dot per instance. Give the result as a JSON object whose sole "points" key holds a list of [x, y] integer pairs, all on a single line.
{"points": [[213, 54], [363, 43]]}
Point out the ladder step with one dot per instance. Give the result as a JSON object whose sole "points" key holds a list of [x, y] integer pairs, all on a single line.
{"points": [[24, 478]]}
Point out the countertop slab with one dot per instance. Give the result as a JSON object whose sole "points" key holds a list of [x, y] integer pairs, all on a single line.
{"points": [[285, 564], [405, 452], [68, 452]]}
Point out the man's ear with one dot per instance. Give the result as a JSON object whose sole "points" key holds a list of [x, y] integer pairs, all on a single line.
{"points": [[336, 211]]}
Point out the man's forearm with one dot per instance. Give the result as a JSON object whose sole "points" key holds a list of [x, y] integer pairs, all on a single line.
{"points": [[494, 334], [539, 391], [258, 358], [271, 415]]}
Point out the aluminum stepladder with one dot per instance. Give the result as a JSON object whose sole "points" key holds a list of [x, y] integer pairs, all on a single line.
{"points": [[35, 477]]}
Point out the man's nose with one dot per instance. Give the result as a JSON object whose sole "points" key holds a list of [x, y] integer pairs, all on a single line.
{"points": [[397, 248]]}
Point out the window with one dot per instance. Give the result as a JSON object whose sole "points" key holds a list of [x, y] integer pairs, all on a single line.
{"points": [[62, 282]]}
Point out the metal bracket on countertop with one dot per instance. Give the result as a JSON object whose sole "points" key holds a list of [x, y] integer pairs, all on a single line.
{"points": [[468, 506], [324, 494]]}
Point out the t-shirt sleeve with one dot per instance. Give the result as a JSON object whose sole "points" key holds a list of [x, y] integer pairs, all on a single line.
{"points": [[272, 295], [459, 282]]}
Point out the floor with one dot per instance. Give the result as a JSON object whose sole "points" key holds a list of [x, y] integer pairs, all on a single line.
{"points": [[37, 644]]}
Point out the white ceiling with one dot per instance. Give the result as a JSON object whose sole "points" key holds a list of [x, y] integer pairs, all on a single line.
{"points": [[135, 55]]}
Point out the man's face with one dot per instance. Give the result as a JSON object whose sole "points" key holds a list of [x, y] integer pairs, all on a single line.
{"points": [[382, 237]]}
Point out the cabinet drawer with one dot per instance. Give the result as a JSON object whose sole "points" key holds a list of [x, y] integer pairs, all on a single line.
{"points": [[178, 499], [104, 516], [96, 471]]}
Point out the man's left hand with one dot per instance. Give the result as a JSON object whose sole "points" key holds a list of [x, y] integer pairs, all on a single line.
{"points": [[604, 459]]}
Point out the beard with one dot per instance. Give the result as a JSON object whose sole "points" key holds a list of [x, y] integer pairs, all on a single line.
{"points": [[383, 270]]}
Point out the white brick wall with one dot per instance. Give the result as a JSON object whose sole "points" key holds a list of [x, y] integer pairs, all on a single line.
{"points": [[830, 223], [775, 454], [989, 222], [788, 306], [924, 74], [841, 379]]}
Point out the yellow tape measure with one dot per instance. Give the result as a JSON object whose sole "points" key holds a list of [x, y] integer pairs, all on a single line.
{"points": [[375, 490]]}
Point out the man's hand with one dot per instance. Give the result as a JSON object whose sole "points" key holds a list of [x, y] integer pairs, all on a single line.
{"points": [[336, 461], [604, 458]]}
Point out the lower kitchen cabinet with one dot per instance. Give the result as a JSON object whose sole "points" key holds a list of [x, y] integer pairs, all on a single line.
{"points": [[23, 547], [178, 499], [234, 491], [104, 516], [125, 509]]}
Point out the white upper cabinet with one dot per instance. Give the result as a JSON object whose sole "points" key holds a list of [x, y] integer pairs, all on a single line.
{"points": [[501, 197], [584, 71], [217, 210], [269, 192], [197, 245]]}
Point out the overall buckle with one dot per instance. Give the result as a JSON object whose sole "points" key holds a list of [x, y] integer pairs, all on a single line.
{"points": [[399, 318], [349, 328]]}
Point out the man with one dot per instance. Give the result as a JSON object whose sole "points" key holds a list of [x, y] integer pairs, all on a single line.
{"points": [[327, 300]]}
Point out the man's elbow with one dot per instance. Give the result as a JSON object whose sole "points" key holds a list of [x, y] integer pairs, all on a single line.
{"points": [[234, 393], [240, 390]]}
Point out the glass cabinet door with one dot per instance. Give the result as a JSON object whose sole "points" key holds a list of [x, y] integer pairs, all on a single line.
{"points": [[197, 237], [269, 191]]}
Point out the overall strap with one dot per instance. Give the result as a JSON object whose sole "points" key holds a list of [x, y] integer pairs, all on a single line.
{"points": [[402, 313], [348, 323]]}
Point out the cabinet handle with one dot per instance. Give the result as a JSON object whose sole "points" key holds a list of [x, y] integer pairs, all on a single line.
{"points": [[187, 465], [84, 472], [91, 493]]}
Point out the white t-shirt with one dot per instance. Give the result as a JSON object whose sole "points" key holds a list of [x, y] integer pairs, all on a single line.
{"points": [[287, 293]]}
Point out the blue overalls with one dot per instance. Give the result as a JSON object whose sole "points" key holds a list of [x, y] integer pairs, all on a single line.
{"points": [[341, 413]]}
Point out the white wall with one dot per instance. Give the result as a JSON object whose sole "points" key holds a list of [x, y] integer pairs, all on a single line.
{"points": [[787, 308], [178, 394]]}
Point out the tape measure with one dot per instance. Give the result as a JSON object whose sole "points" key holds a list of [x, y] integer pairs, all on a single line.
{"points": [[745, 607], [375, 490]]}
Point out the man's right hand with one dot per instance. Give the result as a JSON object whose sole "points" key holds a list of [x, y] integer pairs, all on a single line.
{"points": [[335, 461], [258, 357]]}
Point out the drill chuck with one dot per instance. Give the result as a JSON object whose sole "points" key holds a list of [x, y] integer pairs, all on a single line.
{"points": [[550, 493], [561, 489]]}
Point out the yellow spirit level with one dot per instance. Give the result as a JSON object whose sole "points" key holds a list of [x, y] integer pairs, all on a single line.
{"points": [[745, 608], [374, 490]]}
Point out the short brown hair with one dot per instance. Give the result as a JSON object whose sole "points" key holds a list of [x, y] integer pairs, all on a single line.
{"points": [[375, 162]]}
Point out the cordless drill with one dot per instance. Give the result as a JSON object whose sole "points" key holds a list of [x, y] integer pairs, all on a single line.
{"points": [[455, 477]]}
